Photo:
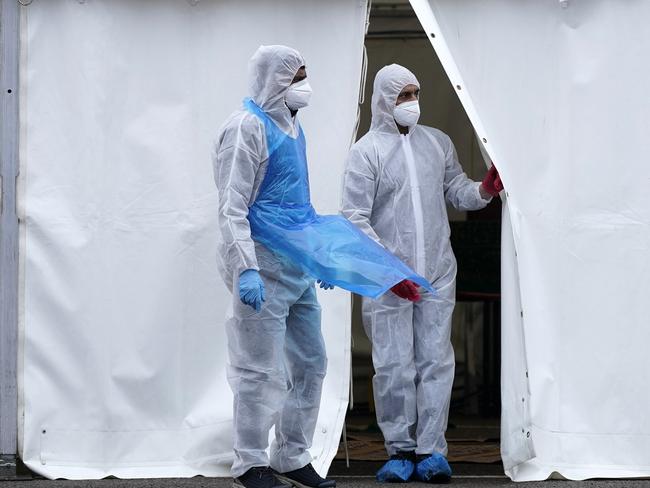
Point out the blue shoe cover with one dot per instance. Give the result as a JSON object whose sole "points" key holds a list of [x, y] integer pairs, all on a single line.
{"points": [[396, 471], [434, 469]]}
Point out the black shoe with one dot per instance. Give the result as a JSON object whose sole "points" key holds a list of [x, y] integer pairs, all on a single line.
{"points": [[306, 477], [405, 456], [258, 478]]}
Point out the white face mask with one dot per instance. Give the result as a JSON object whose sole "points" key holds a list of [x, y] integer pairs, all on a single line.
{"points": [[407, 114], [298, 95]]}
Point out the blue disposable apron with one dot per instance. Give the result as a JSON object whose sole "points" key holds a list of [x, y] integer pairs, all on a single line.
{"points": [[326, 247]]}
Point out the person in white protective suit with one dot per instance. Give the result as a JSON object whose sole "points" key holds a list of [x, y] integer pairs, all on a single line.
{"points": [[277, 358], [397, 179]]}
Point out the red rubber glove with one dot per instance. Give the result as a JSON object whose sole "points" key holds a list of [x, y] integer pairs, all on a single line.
{"points": [[406, 289], [492, 181]]}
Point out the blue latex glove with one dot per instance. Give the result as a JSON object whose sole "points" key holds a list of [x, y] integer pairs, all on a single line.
{"points": [[325, 286], [251, 289]]}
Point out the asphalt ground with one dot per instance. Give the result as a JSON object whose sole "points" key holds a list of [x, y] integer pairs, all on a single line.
{"points": [[358, 475], [342, 482]]}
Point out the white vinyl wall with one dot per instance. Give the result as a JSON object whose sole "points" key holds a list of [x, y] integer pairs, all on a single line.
{"points": [[559, 93], [122, 368]]}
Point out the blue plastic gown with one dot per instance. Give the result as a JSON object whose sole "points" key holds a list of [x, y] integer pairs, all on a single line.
{"points": [[326, 247]]}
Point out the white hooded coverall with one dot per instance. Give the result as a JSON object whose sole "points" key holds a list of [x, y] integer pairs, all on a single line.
{"points": [[277, 358], [395, 187]]}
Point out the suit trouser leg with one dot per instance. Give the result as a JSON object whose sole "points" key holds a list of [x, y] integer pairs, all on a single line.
{"points": [[257, 372], [306, 366], [388, 322], [434, 362]]}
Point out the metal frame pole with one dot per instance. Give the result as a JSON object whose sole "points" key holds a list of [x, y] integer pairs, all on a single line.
{"points": [[9, 167]]}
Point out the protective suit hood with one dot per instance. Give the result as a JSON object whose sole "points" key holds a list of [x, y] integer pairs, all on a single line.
{"points": [[271, 71], [389, 82]]}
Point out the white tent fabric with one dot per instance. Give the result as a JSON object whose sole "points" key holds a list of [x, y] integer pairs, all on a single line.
{"points": [[123, 344], [558, 91]]}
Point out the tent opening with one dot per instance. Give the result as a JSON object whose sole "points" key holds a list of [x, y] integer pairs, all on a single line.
{"points": [[396, 36]]}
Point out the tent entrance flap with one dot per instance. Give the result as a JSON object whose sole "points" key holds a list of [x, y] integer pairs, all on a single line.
{"points": [[124, 309], [562, 111]]}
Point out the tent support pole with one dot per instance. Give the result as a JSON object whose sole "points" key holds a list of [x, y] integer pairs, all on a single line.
{"points": [[9, 167]]}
